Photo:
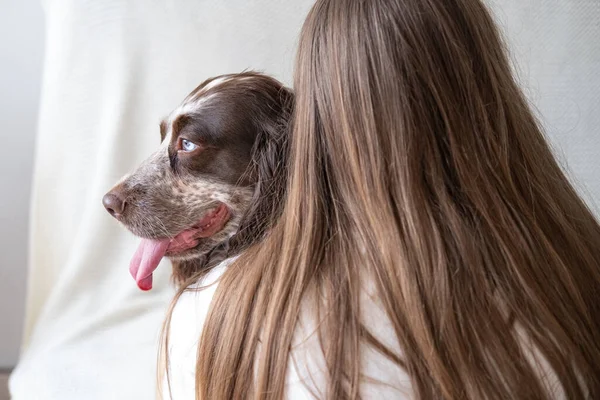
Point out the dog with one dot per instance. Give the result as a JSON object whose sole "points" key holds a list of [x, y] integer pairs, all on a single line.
{"points": [[216, 183]]}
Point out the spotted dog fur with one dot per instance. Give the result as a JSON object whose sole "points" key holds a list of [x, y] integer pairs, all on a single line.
{"points": [[240, 124]]}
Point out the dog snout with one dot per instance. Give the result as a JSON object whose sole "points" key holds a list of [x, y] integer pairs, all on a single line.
{"points": [[114, 202]]}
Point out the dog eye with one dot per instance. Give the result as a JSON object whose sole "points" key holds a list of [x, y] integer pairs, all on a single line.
{"points": [[186, 145]]}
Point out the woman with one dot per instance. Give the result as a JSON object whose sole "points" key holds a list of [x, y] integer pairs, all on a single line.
{"points": [[430, 246]]}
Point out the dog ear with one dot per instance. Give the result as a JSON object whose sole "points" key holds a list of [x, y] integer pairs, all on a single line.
{"points": [[269, 169]]}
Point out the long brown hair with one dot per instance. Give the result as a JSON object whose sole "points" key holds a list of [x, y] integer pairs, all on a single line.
{"points": [[415, 163]]}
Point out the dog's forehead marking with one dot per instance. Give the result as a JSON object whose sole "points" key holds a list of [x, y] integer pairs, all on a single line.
{"points": [[194, 102], [185, 108], [214, 83]]}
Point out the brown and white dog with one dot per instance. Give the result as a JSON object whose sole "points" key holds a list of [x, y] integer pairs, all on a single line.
{"points": [[217, 181]]}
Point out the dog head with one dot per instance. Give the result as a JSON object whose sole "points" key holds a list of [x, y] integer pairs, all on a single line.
{"points": [[212, 186]]}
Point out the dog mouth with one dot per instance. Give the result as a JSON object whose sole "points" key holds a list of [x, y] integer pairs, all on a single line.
{"points": [[151, 251], [210, 224]]}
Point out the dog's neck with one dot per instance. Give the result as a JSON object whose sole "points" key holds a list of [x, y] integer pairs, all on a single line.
{"points": [[185, 270]]}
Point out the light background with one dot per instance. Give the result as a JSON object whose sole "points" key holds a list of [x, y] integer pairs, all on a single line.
{"points": [[555, 44]]}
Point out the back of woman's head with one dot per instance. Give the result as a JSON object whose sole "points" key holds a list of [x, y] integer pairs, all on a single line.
{"points": [[416, 165]]}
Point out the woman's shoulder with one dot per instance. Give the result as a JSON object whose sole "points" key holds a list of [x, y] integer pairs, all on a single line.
{"points": [[192, 306], [184, 330], [306, 376], [381, 377]]}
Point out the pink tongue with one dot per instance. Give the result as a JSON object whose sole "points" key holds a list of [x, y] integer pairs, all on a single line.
{"points": [[146, 260]]}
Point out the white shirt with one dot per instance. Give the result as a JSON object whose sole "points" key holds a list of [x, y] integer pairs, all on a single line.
{"points": [[306, 369]]}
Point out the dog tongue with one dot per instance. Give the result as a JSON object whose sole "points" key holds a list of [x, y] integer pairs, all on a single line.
{"points": [[146, 260]]}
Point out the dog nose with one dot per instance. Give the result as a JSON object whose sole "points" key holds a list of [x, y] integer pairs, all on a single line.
{"points": [[113, 203]]}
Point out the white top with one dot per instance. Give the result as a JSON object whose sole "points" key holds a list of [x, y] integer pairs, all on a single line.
{"points": [[307, 365], [306, 368]]}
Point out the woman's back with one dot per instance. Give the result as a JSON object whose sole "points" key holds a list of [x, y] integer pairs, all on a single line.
{"points": [[417, 167], [307, 375]]}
